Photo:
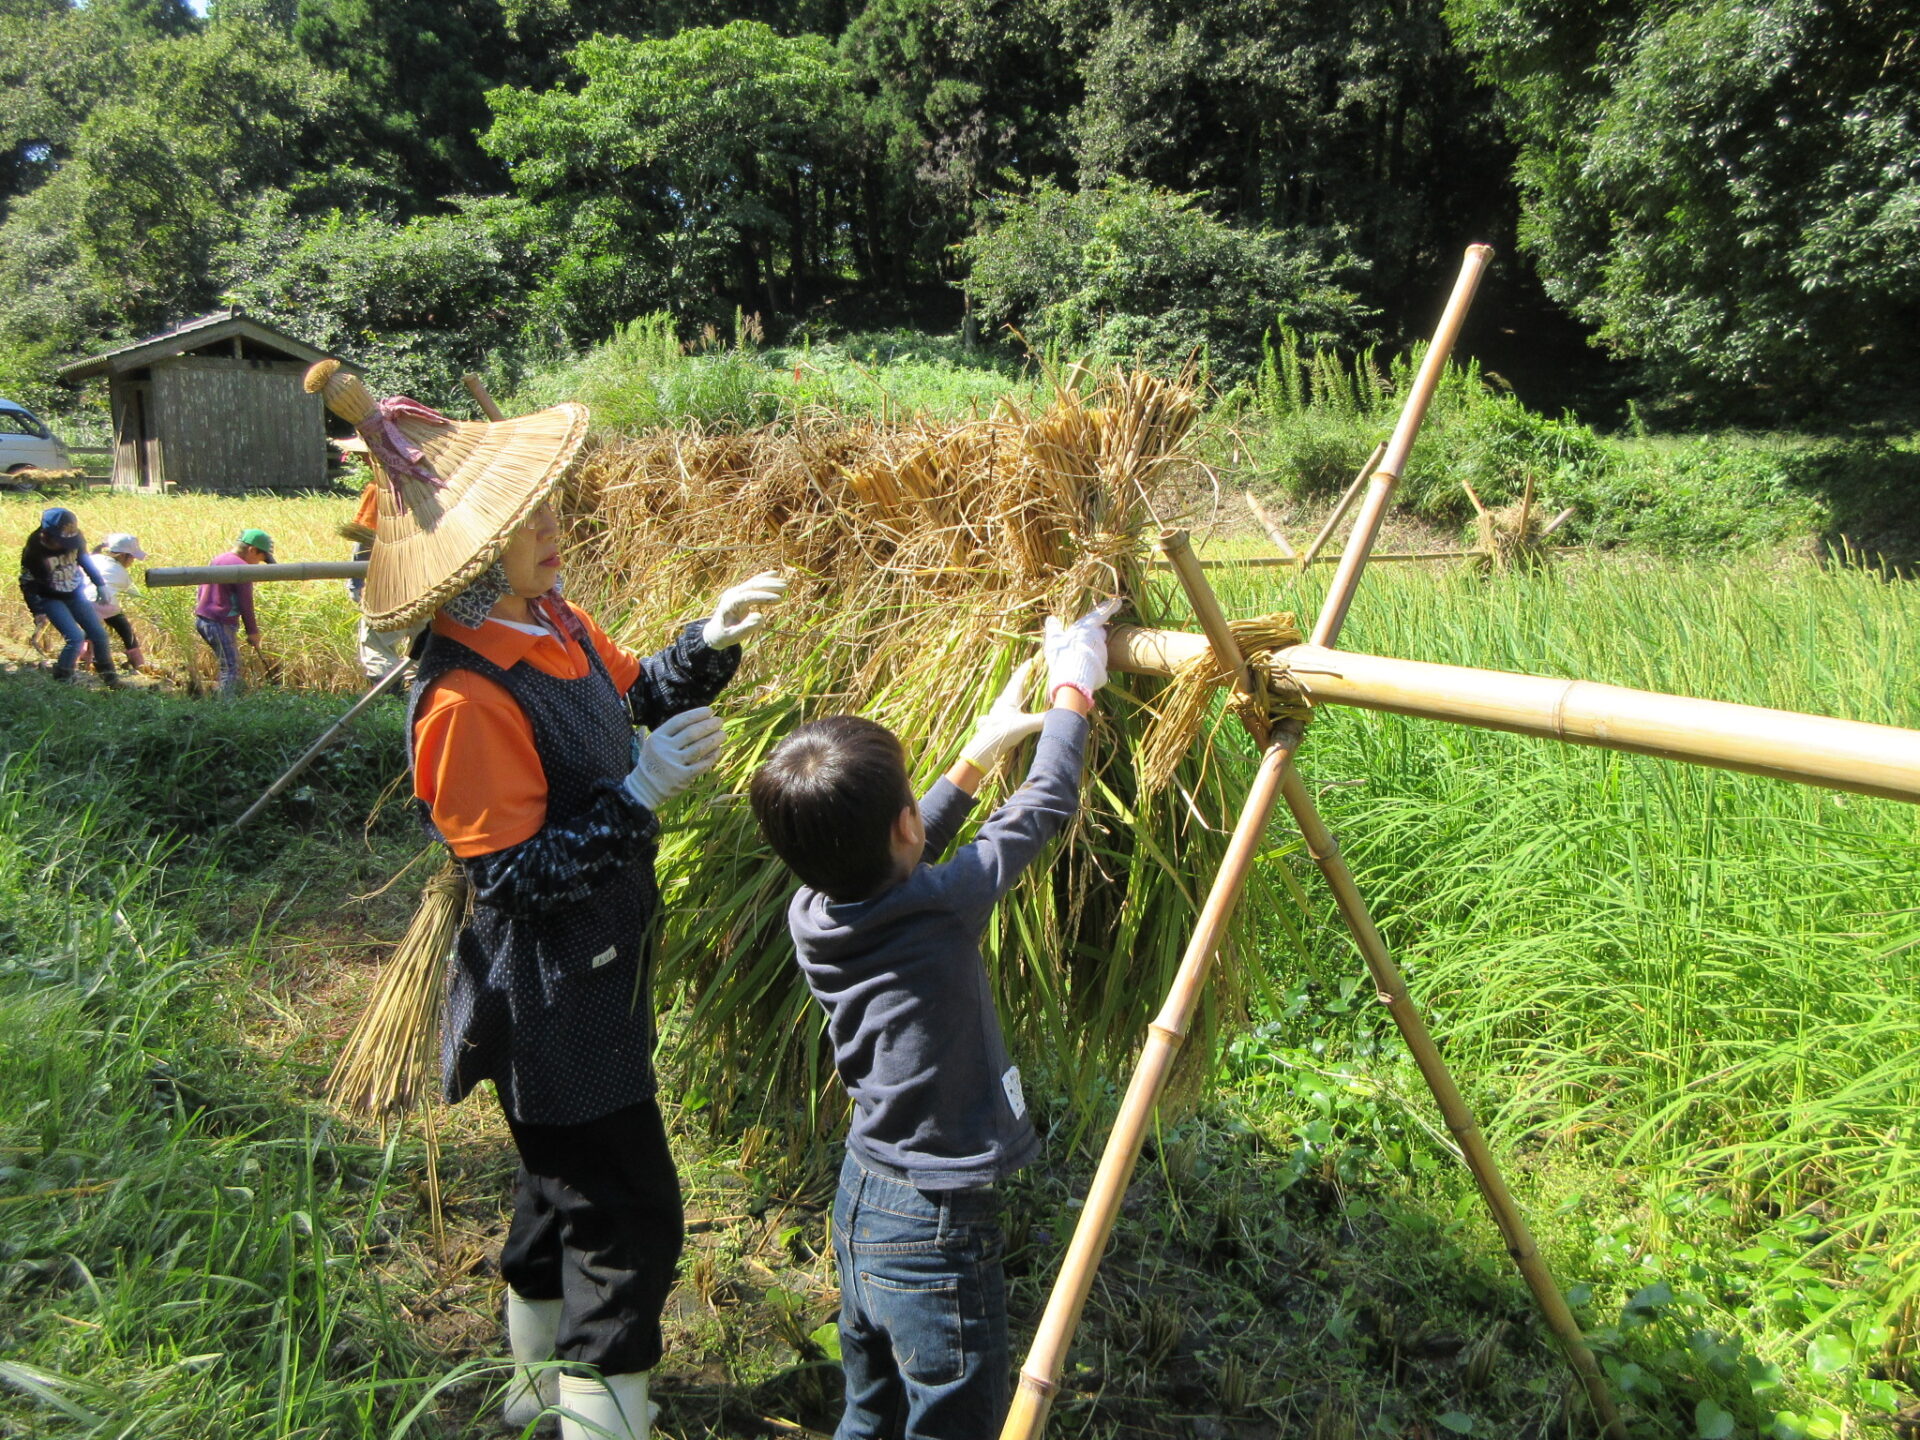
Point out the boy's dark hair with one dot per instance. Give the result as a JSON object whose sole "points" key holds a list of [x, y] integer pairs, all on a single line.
{"points": [[826, 800]]}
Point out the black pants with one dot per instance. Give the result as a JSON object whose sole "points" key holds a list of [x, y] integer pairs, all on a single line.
{"points": [[123, 627], [597, 1224]]}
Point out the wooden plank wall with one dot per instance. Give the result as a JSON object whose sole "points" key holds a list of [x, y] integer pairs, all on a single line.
{"points": [[238, 424], [131, 401]]}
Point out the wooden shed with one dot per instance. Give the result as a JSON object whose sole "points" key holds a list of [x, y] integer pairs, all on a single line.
{"points": [[214, 404]]}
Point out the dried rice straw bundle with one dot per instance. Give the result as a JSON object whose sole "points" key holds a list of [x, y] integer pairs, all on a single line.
{"points": [[1183, 705], [389, 1059], [923, 558]]}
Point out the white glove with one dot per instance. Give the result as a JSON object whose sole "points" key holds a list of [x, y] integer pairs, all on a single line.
{"points": [[671, 756], [1005, 724], [734, 617], [1077, 653]]}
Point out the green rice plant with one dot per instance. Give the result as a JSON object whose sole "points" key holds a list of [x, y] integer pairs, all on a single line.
{"points": [[1697, 979]]}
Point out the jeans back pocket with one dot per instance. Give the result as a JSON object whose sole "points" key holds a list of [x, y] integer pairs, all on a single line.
{"points": [[920, 1315]]}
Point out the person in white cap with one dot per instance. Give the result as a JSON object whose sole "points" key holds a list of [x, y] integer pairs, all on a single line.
{"points": [[111, 557]]}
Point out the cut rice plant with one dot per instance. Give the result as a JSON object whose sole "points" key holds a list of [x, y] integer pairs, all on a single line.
{"points": [[924, 560]]}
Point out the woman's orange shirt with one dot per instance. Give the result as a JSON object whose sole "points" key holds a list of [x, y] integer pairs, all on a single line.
{"points": [[474, 762]]}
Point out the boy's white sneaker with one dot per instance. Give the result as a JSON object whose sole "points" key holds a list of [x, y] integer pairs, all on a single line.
{"points": [[614, 1408]]}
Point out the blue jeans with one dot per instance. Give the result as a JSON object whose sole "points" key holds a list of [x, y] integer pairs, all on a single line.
{"points": [[223, 641], [73, 616], [923, 1309]]}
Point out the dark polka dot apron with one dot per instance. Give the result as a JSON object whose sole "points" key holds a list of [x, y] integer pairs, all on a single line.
{"points": [[555, 1009]]}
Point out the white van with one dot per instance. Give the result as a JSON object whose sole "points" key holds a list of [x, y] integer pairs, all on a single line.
{"points": [[26, 444]]}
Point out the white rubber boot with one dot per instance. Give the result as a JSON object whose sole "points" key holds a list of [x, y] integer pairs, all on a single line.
{"points": [[532, 1326], [615, 1408]]}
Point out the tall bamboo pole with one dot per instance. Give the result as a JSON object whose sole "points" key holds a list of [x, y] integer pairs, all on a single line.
{"points": [[1386, 474], [1040, 1374], [1392, 992], [386, 682]]}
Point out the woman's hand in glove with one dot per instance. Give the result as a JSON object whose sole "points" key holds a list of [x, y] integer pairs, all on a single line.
{"points": [[734, 615], [674, 754], [1077, 653], [1005, 724]]}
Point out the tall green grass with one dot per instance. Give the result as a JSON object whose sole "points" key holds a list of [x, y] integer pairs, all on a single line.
{"points": [[185, 1249], [1700, 985]]}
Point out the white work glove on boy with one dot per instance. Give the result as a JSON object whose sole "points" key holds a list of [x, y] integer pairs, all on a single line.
{"points": [[734, 617], [1005, 724], [673, 755], [1077, 654]]}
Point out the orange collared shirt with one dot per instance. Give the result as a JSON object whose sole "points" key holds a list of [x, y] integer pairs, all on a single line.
{"points": [[367, 514], [474, 761]]}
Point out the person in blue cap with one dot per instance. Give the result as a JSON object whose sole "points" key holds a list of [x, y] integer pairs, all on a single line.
{"points": [[52, 564]]}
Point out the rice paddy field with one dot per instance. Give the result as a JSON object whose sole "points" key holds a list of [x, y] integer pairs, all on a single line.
{"points": [[1682, 1002]]}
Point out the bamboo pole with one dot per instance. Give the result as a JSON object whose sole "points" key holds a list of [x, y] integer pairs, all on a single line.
{"points": [[1854, 755], [1387, 473], [385, 683], [1346, 503], [1556, 522], [477, 388], [1268, 562], [255, 574], [1392, 991], [1040, 1374], [1268, 524]]}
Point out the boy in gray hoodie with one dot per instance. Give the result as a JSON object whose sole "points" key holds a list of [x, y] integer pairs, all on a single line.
{"points": [[889, 941]]}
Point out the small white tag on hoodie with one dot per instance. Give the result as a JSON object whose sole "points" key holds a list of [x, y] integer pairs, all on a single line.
{"points": [[1010, 1082], [606, 956]]}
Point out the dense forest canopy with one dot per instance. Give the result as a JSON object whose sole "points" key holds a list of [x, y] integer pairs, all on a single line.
{"points": [[1726, 194]]}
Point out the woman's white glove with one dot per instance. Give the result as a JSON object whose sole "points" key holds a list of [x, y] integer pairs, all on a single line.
{"points": [[734, 617], [1005, 724], [672, 755], [1077, 654]]}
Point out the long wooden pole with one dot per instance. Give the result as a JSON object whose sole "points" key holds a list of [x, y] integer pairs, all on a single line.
{"points": [[1386, 474], [1312, 551], [1392, 992], [1040, 1374], [386, 682], [1854, 755], [255, 574]]}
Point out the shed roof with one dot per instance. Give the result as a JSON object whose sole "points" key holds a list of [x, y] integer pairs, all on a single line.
{"points": [[193, 335]]}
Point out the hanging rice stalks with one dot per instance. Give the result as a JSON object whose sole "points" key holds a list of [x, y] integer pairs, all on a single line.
{"points": [[1182, 707], [924, 558]]}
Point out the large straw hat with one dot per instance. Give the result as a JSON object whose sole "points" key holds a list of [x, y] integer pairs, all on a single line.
{"points": [[447, 518]]}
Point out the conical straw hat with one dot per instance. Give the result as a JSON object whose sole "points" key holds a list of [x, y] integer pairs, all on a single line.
{"points": [[434, 540]]}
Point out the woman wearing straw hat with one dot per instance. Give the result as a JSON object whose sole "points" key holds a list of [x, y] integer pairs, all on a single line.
{"points": [[526, 760]]}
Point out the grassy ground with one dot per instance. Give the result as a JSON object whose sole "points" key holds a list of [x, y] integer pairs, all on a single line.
{"points": [[1679, 1000]]}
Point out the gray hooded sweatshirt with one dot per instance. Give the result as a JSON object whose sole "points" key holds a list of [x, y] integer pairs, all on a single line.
{"points": [[910, 1013]]}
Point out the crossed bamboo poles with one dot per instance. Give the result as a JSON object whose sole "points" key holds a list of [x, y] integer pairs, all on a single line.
{"points": [[1276, 778]]}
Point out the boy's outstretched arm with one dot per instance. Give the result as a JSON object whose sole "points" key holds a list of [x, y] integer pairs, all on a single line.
{"points": [[985, 869]]}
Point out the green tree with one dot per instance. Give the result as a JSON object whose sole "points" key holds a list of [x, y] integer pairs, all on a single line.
{"points": [[1136, 272], [1730, 191], [1358, 118], [962, 97], [418, 73], [700, 162]]}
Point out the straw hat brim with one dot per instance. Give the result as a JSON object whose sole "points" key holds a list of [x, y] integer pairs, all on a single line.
{"points": [[494, 475]]}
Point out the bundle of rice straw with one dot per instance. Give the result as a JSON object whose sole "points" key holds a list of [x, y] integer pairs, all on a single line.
{"points": [[389, 1061], [924, 558]]}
